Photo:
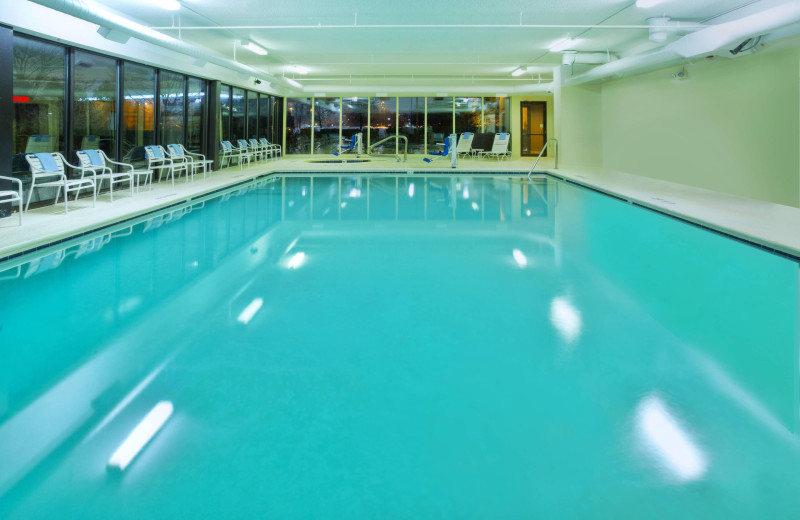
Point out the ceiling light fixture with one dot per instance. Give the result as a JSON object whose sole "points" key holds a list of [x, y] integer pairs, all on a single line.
{"points": [[169, 5], [644, 4], [519, 72], [293, 83], [299, 69], [252, 47], [566, 43]]}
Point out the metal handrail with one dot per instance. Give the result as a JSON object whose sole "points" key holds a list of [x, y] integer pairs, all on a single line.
{"points": [[544, 148], [405, 148]]}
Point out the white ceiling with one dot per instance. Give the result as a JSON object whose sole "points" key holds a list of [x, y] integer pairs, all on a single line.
{"points": [[436, 45]]}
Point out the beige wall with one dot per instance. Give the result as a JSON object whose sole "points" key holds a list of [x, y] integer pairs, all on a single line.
{"points": [[733, 126], [516, 120], [579, 129]]}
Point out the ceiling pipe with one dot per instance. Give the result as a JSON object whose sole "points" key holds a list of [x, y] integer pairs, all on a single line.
{"points": [[109, 21], [701, 43], [592, 58]]}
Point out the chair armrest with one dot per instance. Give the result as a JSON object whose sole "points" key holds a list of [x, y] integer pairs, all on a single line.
{"points": [[121, 164]]}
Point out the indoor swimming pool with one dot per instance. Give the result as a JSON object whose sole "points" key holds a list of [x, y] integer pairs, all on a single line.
{"points": [[400, 346]]}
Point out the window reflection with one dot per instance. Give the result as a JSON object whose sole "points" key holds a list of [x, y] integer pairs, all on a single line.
{"points": [[225, 113], [94, 102], [238, 107], [138, 112], [440, 121], [383, 124], [298, 126], [468, 114], [496, 114], [171, 87], [354, 116], [326, 124], [196, 115], [412, 122], [252, 115]]}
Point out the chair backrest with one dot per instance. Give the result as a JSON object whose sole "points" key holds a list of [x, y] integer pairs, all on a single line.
{"points": [[91, 158], [226, 146], [242, 143], [39, 143], [45, 164], [254, 143], [175, 149], [500, 144], [465, 142], [154, 151], [264, 141], [446, 150]]}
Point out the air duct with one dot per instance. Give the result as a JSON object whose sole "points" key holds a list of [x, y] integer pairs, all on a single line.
{"points": [[701, 43], [111, 22], [592, 58]]}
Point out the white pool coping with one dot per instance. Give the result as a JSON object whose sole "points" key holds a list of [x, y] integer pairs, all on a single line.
{"points": [[772, 226]]}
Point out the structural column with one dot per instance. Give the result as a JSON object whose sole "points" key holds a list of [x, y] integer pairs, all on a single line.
{"points": [[6, 109]]}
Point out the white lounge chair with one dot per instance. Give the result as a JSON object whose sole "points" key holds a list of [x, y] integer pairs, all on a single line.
{"points": [[499, 147], [8, 196], [260, 149], [48, 170], [197, 160], [157, 159], [464, 147], [247, 150], [230, 152], [276, 148], [96, 163]]}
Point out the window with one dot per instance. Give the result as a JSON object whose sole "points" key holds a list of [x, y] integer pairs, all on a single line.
{"points": [[496, 113], [171, 88], [238, 107], [298, 126], [225, 113], [412, 122], [326, 124], [252, 115], [383, 124], [196, 115], [264, 106], [94, 102], [354, 117], [468, 115], [440, 121], [138, 111], [276, 120], [39, 99]]}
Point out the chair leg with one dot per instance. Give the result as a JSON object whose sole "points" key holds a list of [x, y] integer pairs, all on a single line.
{"points": [[30, 194]]}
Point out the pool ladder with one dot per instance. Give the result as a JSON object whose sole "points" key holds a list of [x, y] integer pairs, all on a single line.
{"points": [[398, 137], [544, 148]]}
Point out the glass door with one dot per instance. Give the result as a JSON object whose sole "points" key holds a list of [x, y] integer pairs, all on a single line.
{"points": [[534, 127]]}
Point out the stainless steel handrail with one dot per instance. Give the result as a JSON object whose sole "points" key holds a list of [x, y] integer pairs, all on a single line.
{"points": [[405, 148], [544, 148]]}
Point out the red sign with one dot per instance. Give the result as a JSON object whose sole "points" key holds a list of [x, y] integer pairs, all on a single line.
{"points": [[21, 99]]}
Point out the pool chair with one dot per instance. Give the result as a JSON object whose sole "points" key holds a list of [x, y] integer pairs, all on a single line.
{"points": [[349, 147], [247, 150], [95, 163], [444, 153], [464, 147], [276, 148], [157, 159], [48, 170], [499, 147], [7, 196], [198, 160], [90, 142], [230, 152], [260, 150]]}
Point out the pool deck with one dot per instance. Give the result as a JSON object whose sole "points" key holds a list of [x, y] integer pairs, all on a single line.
{"points": [[772, 226]]}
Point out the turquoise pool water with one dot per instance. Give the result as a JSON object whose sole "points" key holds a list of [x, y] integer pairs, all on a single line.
{"points": [[402, 347]]}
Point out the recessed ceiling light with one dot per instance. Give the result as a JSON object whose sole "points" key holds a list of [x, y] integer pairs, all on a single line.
{"points": [[561, 45], [252, 47]]}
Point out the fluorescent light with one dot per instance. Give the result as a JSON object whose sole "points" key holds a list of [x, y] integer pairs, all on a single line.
{"points": [[644, 4], [141, 435], [668, 441], [520, 258], [297, 260], [293, 83], [299, 69], [564, 44], [519, 72], [252, 47], [566, 319], [252, 308]]}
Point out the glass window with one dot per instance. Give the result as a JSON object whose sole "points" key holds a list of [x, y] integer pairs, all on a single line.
{"points": [[298, 126], [196, 115], [171, 98], [440, 121], [326, 124], [496, 114], [238, 107], [354, 117], [264, 106], [94, 103], [382, 124], [225, 113], [468, 114], [252, 115], [138, 108], [276, 120], [39, 99], [412, 122]]}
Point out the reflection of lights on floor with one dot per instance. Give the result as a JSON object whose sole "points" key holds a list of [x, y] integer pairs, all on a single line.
{"points": [[528, 212], [670, 443], [252, 308], [475, 206], [141, 435], [411, 190], [297, 260], [566, 319], [520, 258]]}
